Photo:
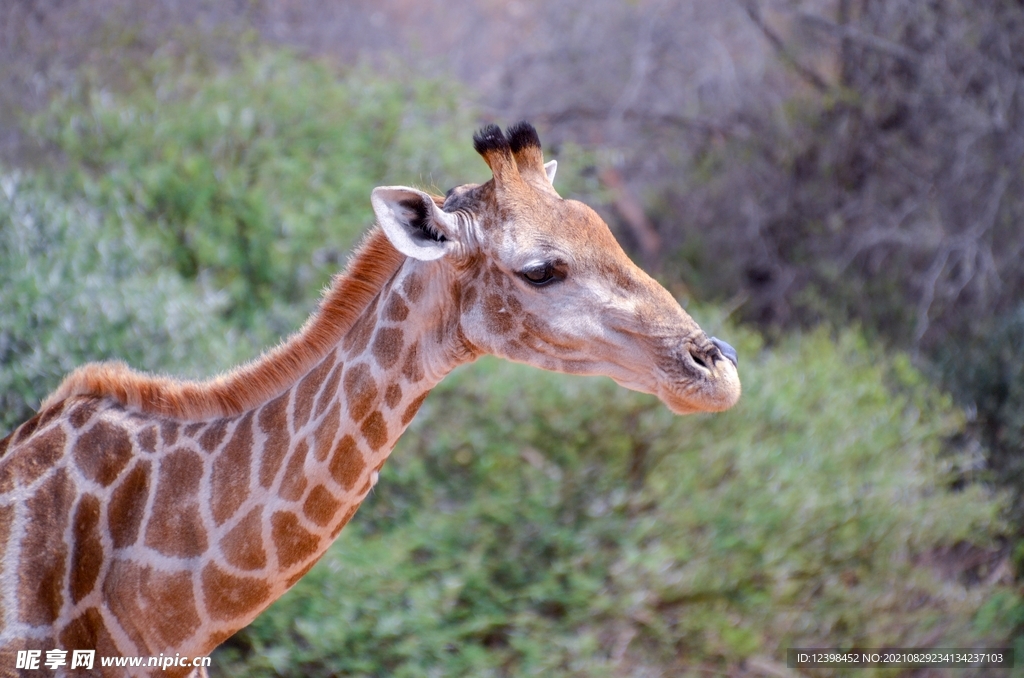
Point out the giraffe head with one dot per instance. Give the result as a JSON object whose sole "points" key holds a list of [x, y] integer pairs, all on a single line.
{"points": [[541, 280]]}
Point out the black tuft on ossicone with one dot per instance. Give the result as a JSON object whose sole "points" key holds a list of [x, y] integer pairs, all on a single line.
{"points": [[490, 139], [522, 135]]}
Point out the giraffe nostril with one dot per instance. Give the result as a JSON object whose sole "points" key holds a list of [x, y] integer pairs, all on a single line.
{"points": [[697, 359]]}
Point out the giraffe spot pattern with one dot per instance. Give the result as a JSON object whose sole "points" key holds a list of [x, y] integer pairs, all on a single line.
{"points": [[347, 464], [396, 309], [294, 482], [228, 596], [26, 429], [213, 435], [412, 409], [323, 437], [147, 438], [86, 547], [387, 346], [192, 430], [274, 422], [375, 430], [169, 432], [128, 506], [360, 391], [229, 481], [243, 545], [305, 392], [51, 413], [135, 591], [497, 318], [88, 630], [175, 526], [393, 396], [83, 412], [412, 287], [412, 369], [44, 558], [330, 389], [293, 542], [102, 452], [320, 506], [32, 460], [358, 337]]}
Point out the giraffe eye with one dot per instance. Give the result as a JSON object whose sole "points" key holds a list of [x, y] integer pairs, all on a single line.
{"points": [[541, 274]]}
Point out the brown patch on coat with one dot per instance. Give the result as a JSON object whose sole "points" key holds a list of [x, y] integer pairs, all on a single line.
{"points": [[83, 413], [192, 430], [149, 603], [375, 430], [323, 437], [330, 389], [229, 481], [358, 338], [294, 482], [412, 287], [228, 597], [147, 438], [497, 318], [320, 506], [214, 435], [128, 506], [86, 547], [393, 396], [30, 462], [103, 452], [306, 391], [176, 526], [169, 432], [88, 631], [273, 420], [347, 464], [412, 368], [360, 391], [412, 409], [293, 542], [43, 552], [387, 346], [396, 310], [242, 546]]}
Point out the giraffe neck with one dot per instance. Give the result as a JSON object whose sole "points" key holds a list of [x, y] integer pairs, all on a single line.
{"points": [[324, 441], [182, 532]]}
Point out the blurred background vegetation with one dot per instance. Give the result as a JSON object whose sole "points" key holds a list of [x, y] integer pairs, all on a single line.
{"points": [[839, 182]]}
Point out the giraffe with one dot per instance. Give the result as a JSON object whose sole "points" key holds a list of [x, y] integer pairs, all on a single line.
{"points": [[142, 515]]}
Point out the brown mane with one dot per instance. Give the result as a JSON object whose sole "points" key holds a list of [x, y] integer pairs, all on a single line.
{"points": [[243, 388]]}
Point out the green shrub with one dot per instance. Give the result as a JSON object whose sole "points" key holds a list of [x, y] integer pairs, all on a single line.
{"points": [[534, 524], [71, 292], [258, 174]]}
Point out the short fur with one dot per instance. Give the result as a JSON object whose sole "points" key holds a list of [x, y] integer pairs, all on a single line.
{"points": [[243, 388]]}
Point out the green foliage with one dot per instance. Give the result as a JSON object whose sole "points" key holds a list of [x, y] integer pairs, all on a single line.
{"points": [[71, 291], [260, 174], [534, 524]]}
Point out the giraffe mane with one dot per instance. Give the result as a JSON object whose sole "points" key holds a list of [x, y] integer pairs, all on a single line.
{"points": [[247, 386]]}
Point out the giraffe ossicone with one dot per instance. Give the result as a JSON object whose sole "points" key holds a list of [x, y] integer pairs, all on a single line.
{"points": [[142, 515]]}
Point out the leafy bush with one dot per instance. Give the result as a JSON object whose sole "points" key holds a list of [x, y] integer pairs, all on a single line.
{"points": [[533, 524], [71, 292], [258, 174]]}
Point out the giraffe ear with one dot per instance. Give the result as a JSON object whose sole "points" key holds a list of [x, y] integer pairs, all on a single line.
{"points": [[413, 222]]}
